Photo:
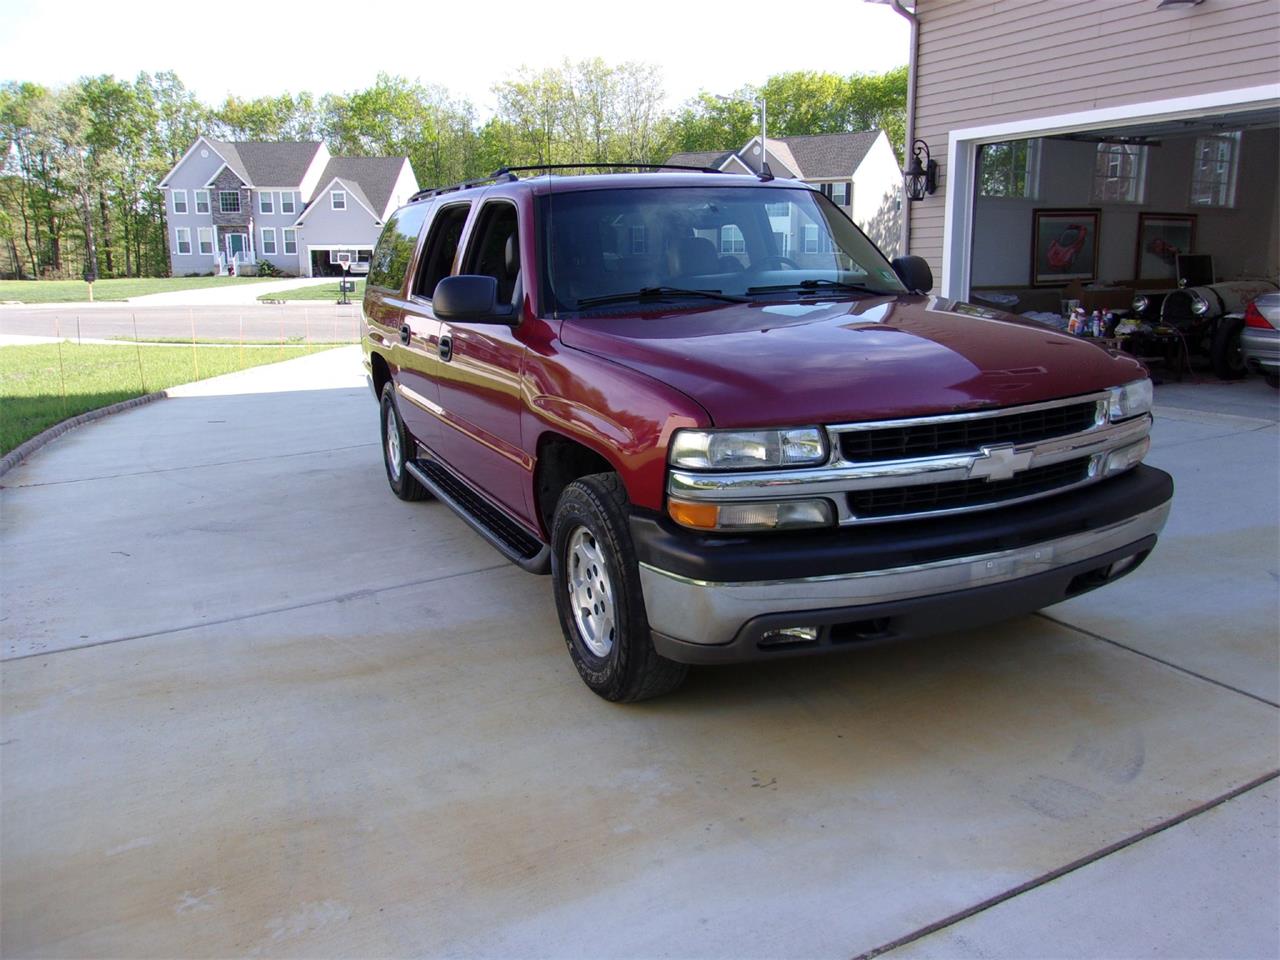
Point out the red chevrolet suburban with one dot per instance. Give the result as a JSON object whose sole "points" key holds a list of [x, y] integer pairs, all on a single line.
{"points": [[730, 429]]}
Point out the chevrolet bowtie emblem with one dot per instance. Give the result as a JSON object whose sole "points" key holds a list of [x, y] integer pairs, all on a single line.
{"points": [[999, 463]]}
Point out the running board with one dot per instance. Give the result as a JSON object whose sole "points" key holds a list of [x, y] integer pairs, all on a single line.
{"points": [[490, 521]]}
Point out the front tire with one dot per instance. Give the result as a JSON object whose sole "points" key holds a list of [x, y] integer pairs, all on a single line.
{"points": [[598, 596], [396, 444]]}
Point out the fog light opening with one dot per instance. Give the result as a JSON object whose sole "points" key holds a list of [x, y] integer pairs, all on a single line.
{"points": [[789, 637]]}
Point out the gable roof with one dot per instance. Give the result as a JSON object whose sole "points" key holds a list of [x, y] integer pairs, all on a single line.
{"points": [[823, 156], [714, 159], [831, 155], [272, 164], [371, 179]]}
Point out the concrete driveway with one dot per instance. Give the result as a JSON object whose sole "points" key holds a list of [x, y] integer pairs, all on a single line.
{"points": [[237, 293], [254, 705]]}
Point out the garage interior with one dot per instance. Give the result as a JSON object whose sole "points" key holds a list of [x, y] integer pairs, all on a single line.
{"points": [[1149, 192], [329, 263]]}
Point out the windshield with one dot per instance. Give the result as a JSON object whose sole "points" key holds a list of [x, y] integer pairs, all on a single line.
{"points": [[673, 243]]}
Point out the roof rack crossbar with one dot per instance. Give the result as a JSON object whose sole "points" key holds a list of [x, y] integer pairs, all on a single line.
{"points": [[610, 166], [498, 176], [508, 174]]}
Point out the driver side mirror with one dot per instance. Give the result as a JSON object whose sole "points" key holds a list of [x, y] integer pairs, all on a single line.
{"points": [[470, 299], [914, 273]]}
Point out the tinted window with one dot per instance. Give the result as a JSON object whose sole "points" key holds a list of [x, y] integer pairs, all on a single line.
{"points": [[395, 246], [495, 249], [441, 248]]}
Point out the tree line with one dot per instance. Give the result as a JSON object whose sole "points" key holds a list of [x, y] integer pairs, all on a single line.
{"points": [[82, 163]]}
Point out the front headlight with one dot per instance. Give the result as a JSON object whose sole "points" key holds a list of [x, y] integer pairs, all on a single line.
{"points": [[747, 449], [1131, 400]]}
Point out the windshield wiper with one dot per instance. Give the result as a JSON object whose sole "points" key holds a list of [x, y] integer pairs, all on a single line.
{"points": [[806, 286], [657, 293]]}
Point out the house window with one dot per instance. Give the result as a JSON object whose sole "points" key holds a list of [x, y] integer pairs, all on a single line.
{"points": [[782, 241], [266, 202], [180, 201], [205, 234], [1120, 173], [639, 239], [202, 201], [183, 239], [778, 209], [290, 240], [338, 199], [269, 240], [1009, 169], [1213, 170], [229, 201], [810, 238], [837, 193], [287, 204], [731, 239]]}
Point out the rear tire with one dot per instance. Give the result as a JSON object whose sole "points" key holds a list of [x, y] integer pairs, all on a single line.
{"points": [[396, 446], [598, 596], [1225, 353]]}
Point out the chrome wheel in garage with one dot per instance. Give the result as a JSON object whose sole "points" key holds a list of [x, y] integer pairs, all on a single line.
{"points": [[591, 592]]}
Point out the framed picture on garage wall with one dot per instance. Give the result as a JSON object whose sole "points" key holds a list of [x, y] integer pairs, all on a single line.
{"points": [[1161, 237], [1064, 246]]}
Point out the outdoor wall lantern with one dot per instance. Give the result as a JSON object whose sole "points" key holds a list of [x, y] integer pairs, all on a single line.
{"points": [[921, 177]]}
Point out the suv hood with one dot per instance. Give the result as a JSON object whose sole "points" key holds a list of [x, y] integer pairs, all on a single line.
{"points": [[764, 364]]}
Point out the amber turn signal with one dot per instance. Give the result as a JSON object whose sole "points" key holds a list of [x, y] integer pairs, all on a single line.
{"points": [[699, 516]]}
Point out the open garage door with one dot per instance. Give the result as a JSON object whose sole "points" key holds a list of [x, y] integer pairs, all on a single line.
{"points": [[1178, 216], [329, 261]]}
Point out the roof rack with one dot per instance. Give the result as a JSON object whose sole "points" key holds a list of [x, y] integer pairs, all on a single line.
{"points": [[508, 174]]}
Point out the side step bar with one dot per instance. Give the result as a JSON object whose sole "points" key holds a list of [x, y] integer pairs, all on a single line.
{"points": [[506, 536]]}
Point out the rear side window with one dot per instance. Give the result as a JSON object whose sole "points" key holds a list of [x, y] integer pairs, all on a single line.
{"points": [[396, 245], [441, 248]]}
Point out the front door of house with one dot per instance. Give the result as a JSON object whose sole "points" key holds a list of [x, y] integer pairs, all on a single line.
{"points": [[237, 244]]}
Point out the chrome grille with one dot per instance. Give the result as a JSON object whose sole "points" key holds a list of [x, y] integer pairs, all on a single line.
{"points": [[961, 435], [931, 497]]}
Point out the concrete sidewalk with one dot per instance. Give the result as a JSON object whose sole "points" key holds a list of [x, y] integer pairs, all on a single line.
{"points": [[255, 705]]}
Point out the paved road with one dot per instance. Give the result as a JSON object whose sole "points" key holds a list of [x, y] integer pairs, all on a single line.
{"points": [[254, 705], [257, 321]]}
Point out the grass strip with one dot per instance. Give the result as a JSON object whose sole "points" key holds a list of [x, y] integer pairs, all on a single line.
{"points": [[43, 384], [120, 288], [319, 291]]}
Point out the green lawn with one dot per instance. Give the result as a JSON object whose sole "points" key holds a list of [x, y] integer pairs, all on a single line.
{"points": [[31, 377], [319, 291], [77, 291]]}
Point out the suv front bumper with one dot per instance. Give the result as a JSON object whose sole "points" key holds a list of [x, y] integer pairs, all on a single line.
{"points": [[720, 599]]}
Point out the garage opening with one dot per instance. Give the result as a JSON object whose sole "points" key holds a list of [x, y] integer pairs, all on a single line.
{"points": [[328, 262], [1159, 230]]}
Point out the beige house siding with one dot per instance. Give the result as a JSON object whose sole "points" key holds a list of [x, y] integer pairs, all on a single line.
{"points": [[982, 63]]}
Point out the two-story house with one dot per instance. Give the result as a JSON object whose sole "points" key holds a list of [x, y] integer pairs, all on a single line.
{"points": [[858, 171], [233, 206]]}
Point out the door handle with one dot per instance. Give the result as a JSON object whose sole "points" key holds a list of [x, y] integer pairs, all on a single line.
{"points": [[405, 333], [446, 347]]}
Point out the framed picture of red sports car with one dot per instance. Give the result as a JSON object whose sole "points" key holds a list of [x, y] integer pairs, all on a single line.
{"points": [[1161, 237], [1064, 246]]}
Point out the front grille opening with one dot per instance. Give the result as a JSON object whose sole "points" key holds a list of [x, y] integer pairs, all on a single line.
{"points": [[965, 435], [895, 501]]}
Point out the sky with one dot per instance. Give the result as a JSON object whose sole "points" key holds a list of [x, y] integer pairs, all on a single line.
{"points": [[252, 49]]}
